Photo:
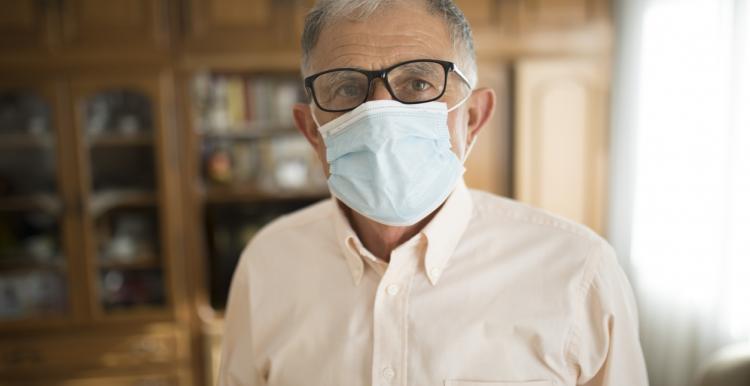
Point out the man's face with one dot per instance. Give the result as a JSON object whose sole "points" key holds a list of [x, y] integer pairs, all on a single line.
{"points": [[386, 38]]}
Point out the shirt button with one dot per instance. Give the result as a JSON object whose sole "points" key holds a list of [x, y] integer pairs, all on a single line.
{"points": [[392, 289], [389, 373]]}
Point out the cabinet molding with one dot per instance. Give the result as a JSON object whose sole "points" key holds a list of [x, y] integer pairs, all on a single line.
{"points": [[560, 140], [108, 25], [25, 25]]}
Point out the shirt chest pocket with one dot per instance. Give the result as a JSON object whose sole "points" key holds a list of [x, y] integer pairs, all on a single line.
{"points": [[456, 382]]}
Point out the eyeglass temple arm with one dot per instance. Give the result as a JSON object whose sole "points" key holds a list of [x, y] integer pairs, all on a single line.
{"points": [[462, 76]]}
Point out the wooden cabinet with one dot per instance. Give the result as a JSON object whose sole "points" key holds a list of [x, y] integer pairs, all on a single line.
{"points": [[39, 274], [144, 379], [561, 137], [125, 160], [158, 357], [25, 24], [89, 25], [88, 229], [87, 208], [242, 25], [483, 14], [541, 15], [479, 12], [115, 25], [504, 28], [65, 354], [107, 210], [533, 15]]}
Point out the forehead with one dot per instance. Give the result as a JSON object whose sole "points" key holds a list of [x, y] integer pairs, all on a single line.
{"points": [[388, 36]]}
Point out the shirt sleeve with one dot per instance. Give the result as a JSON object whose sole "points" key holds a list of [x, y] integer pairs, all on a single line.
{"points": [[238, 364], [606, 346]]}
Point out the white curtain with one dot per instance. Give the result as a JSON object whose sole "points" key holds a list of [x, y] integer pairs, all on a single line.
{"points": [[680, 208]]}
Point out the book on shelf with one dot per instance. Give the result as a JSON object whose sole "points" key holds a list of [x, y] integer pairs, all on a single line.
{"points": [[231, 103], [236, 101]]}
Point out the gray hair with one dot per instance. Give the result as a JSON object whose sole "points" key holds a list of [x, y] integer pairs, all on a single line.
{"points": [[326, 11]]}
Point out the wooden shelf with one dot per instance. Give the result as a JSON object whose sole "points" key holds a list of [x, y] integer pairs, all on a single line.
{"points": [[230, 194], [249, 133], [108, 199], [44, 202], [136, 311], [28, 263], [121, 140], [139, 262], [10, 141]]}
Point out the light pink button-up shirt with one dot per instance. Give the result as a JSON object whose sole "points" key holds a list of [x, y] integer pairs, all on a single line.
{"points": [[490, 293]]}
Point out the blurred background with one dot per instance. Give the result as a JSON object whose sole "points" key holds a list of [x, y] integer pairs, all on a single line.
{"points": [[144, 142]]}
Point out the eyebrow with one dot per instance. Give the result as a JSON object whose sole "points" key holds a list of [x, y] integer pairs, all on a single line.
{"points": [[341, 74], [422, 66], [423, 62]]}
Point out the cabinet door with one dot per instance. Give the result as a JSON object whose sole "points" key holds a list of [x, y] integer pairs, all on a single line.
{"points": [[24, 24], [121, 130], [555, 15], [239, 24], [146, 379], [82, 351], [38, 256], [479, 12], [115, 24], [498, 16], [560, 140]]}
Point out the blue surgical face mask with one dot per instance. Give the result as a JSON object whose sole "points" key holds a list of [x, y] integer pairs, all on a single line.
{"points": [[392, 162]]}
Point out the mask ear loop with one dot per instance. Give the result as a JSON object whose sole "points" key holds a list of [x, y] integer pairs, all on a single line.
{"points": [[468, 149], [473, 141], [460, 102], [312, 112]]}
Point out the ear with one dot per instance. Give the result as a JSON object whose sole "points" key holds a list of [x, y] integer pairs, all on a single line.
{"points": [[306, 125], [480, 110]]}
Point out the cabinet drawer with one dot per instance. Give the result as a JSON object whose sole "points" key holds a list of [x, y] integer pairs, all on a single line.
{"points": [[104, 351], [134, 380]]}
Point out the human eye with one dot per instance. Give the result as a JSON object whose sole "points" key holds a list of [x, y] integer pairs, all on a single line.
{"points": [[340, 88], [420, 85], [415, 89], [417, 81], [349, 89]]}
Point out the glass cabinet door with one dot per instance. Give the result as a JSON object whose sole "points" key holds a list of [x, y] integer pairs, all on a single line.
{"points": [[120, 152], [33, 261]]}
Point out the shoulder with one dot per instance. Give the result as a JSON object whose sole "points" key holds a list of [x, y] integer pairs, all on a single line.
{"points": [[562, 246], [535, 227], [493, 209]]}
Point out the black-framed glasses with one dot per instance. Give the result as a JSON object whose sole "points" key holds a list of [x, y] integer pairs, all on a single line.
{"points": [[410, 82]]}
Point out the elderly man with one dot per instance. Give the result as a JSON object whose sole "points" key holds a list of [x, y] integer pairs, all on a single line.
{"points": [[406, 277]]}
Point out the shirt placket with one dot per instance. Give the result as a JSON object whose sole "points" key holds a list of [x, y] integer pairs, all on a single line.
{"points": [[390, 324]]}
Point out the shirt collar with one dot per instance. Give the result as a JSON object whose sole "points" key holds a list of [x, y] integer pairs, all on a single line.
{"points": [[442, 233], [445, 231], [346, 239]]}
